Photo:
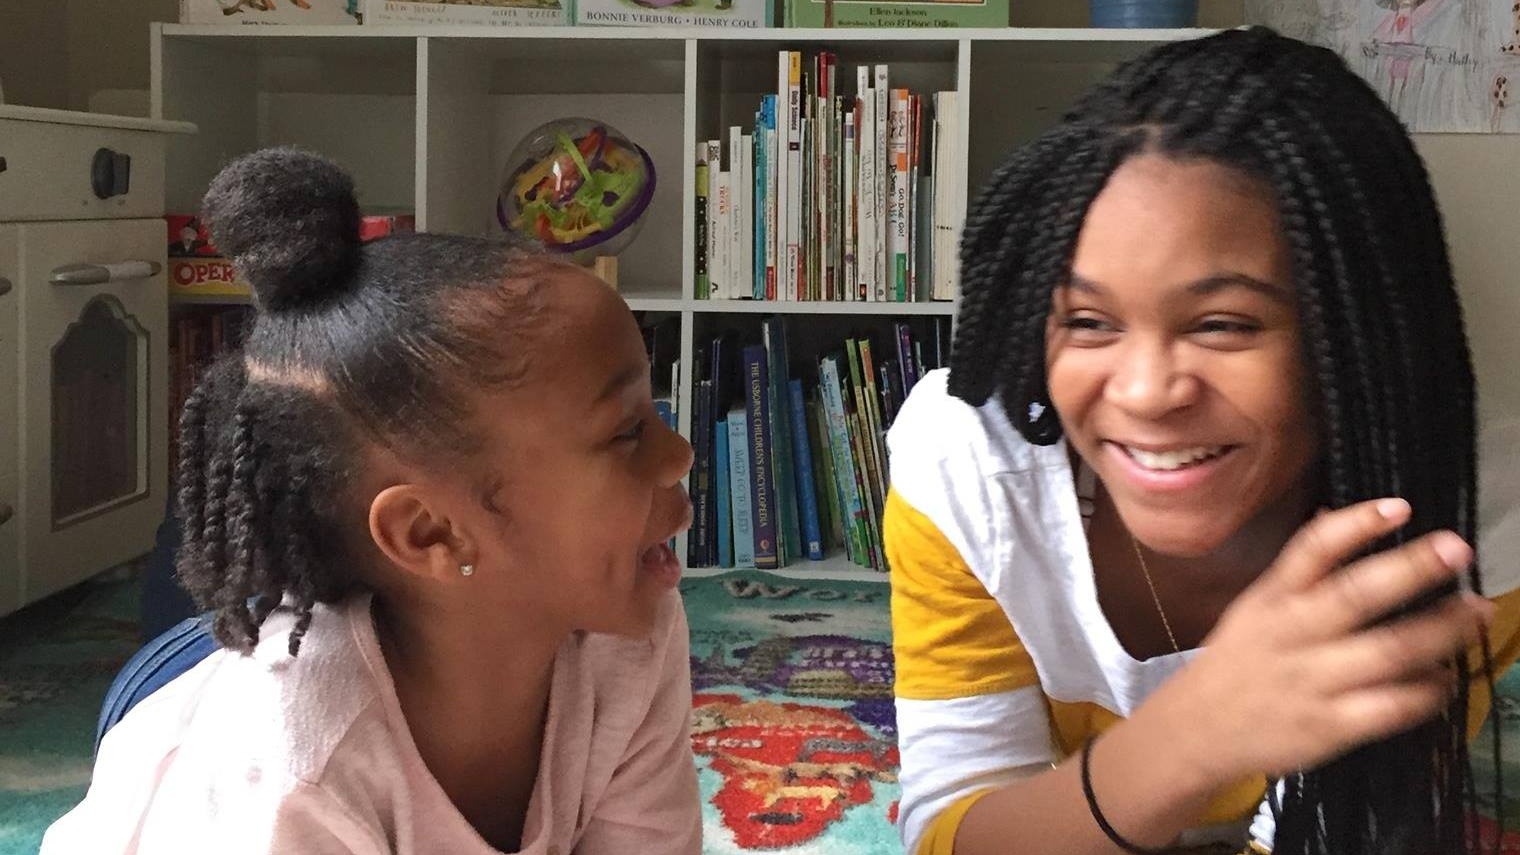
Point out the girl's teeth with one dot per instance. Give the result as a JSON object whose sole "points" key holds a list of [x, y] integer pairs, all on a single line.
{"points": [[1169, 460]]}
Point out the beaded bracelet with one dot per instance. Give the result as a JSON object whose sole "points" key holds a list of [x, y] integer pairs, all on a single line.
{"points": [[1097, 815]]}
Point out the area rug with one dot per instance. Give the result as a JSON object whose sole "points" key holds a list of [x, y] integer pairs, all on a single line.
{"points": [[794, 733], [56, 660]]}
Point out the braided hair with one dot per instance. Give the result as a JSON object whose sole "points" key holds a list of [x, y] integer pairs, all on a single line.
{"points": [[1382, 329], [353, 347]]}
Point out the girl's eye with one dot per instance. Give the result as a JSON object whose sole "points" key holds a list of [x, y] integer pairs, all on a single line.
{"points": [[1088, 329], [1226, 326], [632, 434], [1084, 323]]}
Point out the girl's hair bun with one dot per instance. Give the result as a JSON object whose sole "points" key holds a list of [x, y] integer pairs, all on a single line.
{"points": [[289, 221]]}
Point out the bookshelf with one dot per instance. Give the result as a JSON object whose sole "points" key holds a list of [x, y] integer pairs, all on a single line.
{"points": [[442, 107]]}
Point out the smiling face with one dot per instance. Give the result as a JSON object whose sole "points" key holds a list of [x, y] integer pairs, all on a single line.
{"points": [[590, 484], [1173, 356]]}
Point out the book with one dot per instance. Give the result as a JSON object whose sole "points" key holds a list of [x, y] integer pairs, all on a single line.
{"points": [[739, 487], [851, 503], [699, 543], [490, 13], [701, 223], [245, 12], [895, 13], [762, 488], [716, 14], [773, 334], [807, 498], [723, 536]]}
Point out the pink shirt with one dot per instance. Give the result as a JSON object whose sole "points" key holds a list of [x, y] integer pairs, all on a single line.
{"points": [[269, 753]]}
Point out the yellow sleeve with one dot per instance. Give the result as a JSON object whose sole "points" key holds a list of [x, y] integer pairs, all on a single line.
{"points": [[939, 839], [1504, 645], [950, 638]]}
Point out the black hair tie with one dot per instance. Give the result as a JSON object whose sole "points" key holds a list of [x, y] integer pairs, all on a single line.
{"points": [[1097, 814]]}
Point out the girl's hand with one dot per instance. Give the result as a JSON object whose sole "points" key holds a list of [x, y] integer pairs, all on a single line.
{"points": [[1299, 670]]}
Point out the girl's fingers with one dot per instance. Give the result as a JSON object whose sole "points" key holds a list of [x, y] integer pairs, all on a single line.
{"points": [[1410, 648], [1366, 715], [1332, 538], [1375, 586]]}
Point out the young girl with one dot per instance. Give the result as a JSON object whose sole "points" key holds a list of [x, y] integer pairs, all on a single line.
{"points": [[1209, 307], [429, 504]]}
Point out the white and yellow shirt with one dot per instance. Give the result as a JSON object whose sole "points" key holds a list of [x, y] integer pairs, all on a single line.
{"points": [[1005, 661]]}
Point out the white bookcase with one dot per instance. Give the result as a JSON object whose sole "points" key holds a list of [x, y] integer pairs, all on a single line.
{"points": [[424, 119]]}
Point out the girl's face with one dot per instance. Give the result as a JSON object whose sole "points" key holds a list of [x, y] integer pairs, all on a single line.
{"points": [[589, 476], [1173, 356]]}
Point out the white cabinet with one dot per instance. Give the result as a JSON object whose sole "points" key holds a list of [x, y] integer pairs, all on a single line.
{"points": [[83, 346], [10, 424]]}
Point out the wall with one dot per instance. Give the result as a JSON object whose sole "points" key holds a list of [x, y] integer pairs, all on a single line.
{"points": [[1477, 180], [60, 53]]}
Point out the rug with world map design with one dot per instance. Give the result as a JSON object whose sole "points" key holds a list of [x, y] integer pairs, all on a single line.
{"points": [[794, 732]]}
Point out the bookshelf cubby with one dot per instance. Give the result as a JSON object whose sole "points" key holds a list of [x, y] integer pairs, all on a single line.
{"points": [[424, 119]]}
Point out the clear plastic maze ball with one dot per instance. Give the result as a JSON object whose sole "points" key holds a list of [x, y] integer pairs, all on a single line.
{"points": [[577, 186]]}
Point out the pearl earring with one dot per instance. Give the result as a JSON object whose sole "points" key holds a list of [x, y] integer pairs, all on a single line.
{"points": [[467, 569]]}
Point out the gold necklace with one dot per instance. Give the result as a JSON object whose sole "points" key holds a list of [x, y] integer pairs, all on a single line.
{"points": [[1166, 624]]}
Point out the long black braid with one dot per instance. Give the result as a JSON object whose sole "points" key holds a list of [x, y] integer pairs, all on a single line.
{"points": [[353, 347], [1382, 328]]}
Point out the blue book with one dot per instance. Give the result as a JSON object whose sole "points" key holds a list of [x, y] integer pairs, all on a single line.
{"points": [[762, 487], [738, 488], [802, 457], [724, 533], [666, 412]]}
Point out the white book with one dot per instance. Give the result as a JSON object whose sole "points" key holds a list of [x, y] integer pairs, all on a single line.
{"points": [[865, 191], [725, 198], [747, 210], [734, 286], [778, 201], [947, 232], [882, 201], [714, 273]]}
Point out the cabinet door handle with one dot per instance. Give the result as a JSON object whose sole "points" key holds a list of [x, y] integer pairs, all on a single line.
{"points": [[6, 512], [5, 286], [100, 274]]}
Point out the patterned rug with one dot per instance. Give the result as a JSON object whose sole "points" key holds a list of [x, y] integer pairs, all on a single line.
{"points": [[794, 732], [56, 660]]}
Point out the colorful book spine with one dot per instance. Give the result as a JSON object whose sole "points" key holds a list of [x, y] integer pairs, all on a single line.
{"points": [[897, 210], [762, 489], [724, 534], [807, 498], [739, 488], [851, 507], [823, 463], [772, 177]]}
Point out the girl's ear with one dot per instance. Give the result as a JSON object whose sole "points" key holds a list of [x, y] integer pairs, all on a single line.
{"points": [[414, 530]]}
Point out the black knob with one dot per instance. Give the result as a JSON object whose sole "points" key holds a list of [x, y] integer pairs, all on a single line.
{"points": [[110, 173]]}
